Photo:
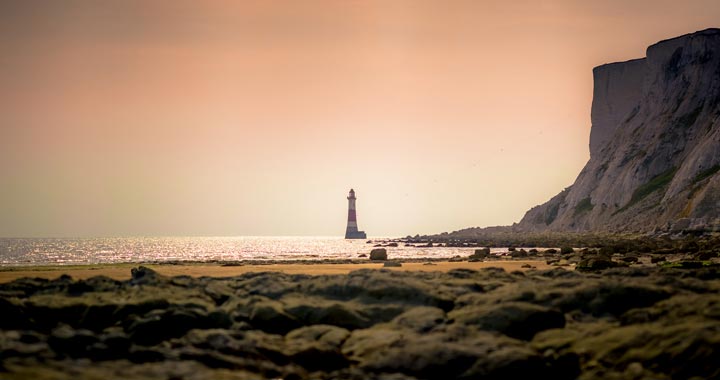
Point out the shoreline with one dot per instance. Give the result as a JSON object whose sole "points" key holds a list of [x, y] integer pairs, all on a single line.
{"points": [[219, 269]]}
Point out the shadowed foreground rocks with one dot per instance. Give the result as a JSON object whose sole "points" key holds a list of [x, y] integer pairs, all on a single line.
{"points": [[621, 323]]}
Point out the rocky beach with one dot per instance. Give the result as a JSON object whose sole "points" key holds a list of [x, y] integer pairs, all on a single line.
{"points": [[629, 320]]}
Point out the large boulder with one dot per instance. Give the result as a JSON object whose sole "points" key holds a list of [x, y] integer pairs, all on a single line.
{"points": [[378, 254]]}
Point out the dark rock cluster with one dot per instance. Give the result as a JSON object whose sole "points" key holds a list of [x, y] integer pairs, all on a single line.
{"points": [[629, 323]]}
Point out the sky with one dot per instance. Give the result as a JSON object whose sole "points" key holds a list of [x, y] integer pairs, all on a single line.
{"points": [[225, 118]]}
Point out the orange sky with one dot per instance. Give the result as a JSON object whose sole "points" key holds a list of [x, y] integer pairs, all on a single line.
{"points": [[256, 117]]}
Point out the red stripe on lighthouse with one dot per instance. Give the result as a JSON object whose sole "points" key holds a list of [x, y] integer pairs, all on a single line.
{"points": [[351, 216]]}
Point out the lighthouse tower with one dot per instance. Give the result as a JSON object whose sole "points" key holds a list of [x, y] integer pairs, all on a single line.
{"points": [[352, 230]]}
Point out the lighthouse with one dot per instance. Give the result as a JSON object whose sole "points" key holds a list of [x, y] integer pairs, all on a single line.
{"points": [[352, 229]]}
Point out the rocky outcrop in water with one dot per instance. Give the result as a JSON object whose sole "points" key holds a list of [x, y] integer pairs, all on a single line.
{"points": [[654, 146], [636, 322]]}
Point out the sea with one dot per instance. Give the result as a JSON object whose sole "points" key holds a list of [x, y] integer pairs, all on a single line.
{"points": [[77, 251]]}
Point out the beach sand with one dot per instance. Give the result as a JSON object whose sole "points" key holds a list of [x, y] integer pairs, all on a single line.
{"points": [[122, 271]]}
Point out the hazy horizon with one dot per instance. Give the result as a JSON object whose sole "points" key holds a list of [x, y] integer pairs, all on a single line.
{"points": [[219, 118]]}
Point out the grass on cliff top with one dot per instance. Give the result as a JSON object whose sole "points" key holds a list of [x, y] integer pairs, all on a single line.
{"points": [[656, 183]]}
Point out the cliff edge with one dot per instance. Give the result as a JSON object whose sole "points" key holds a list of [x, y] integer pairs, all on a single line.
{"points": [[654, 146]]}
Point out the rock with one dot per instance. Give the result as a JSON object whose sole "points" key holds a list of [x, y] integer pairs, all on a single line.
{"points": [[705, 256], [517, 320], [431, 356], [75, 343], [480, 253], [140, 355], [162, 325], [310, 311], [362, 255], [595, 264], [271, 317], [317, 347], [566, 250], [420, 319], [605, 298], [519, 253], [378, 254], [392, 244], [13, 316], [685, 264], [144, 275], [629, 259], [393, 264], [649, 321], [657, 259]]}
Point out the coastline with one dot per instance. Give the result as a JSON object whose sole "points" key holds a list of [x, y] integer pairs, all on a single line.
{"points": [[200, 269]]}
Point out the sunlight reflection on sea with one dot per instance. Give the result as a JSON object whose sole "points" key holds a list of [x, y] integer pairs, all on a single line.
{"points": [[63, 251]]}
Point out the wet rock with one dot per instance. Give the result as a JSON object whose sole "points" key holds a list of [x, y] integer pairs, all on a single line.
{"points": [[378, 254], [393, 264]]}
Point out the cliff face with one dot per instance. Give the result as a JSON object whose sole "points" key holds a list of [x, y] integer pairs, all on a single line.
{"points": [[654, 145]]}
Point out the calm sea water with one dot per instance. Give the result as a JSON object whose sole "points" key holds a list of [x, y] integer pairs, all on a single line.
{"points": [[157, 249]]}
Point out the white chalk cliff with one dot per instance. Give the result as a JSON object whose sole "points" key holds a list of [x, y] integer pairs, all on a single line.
{"points": [[654, 146]]}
